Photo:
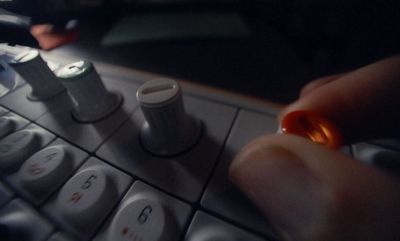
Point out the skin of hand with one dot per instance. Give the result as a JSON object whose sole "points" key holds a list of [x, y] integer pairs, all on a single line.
{"points": [[311, 193]]}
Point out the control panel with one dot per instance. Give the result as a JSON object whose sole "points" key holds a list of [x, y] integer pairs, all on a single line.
{"points": [[91, 153]]}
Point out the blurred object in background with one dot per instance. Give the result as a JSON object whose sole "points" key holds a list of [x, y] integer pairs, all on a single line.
{"points": [[285, 43], [14, 28], [38, 24], [49, 37]]}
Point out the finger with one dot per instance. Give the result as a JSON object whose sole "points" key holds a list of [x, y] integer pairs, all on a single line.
{"points": [[315, 84], [363, 103], [311, 193]]}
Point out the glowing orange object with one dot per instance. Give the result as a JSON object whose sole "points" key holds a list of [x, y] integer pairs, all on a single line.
{"points": [[312, 126]]}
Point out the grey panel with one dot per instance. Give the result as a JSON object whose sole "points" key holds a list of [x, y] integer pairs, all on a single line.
{"points": [[221, 196], [18, 102], [205, 227], [184, 175], [90, 135]]}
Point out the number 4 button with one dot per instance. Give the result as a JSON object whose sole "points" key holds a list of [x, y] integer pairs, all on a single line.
{"points": [[43, 169]]}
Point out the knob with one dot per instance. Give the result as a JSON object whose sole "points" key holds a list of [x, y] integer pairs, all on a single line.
{"points": [[168, 129], [91, 99], [31, 67]]}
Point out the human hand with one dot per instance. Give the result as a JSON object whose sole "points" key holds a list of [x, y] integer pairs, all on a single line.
{"points": [[312, 193]]}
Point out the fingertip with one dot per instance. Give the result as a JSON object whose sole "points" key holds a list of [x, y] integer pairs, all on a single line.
{"points": [[310, 192], [362, 103], [277, 180], [315, 84]]}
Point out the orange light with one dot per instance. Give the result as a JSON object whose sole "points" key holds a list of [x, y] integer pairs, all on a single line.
{"points": [[313, 126]]}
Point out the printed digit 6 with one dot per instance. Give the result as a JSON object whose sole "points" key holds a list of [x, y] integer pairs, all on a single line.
{"points": [[144, 214]]}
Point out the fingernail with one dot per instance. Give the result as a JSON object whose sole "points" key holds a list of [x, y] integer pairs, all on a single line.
{"points": [[281, 185]]}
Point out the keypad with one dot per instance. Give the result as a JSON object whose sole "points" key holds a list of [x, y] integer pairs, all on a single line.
{"points": [[63, 179]]}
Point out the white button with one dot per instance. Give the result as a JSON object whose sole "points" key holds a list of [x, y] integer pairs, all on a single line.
{"points": [[45, 168], [17, 147], [85, 196], [140, 219], [7, 125]]}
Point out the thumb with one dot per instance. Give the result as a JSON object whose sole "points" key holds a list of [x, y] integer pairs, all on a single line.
{"points": [[311, 193]]}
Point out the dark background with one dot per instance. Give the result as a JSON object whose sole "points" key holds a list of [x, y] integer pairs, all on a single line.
{"points": [[290, 42]]}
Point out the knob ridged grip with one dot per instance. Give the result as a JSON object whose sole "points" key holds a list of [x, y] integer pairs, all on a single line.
{"points": [[92, 101], [34, 70], [168, 129]]}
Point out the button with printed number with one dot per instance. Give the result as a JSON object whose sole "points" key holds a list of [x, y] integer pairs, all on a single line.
{"points": [[7, 125], [85, 196], [140, 218], [45, 168], [16, 148]]}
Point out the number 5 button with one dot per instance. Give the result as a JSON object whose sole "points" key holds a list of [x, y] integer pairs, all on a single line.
{"points": [[140, 219], [84, 197]]}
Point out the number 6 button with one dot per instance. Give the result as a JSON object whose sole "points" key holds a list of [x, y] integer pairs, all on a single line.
{"points": [[140, 219], [84, 197]]}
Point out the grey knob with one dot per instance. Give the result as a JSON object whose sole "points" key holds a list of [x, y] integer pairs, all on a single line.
{"points": [[91, 99], [31, 67], [168, 130]]}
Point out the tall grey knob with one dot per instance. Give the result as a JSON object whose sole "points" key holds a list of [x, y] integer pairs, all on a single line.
{"points": [[91, 99], [31, 67], [167, 130]]}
